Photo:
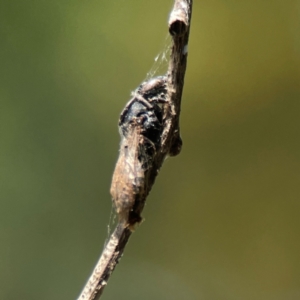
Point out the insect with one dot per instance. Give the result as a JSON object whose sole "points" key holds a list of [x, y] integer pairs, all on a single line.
{"points": [[140, 127]]}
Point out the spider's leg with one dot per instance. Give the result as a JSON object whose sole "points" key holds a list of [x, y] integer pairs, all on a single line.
{"points": [[158, 100], [125, 111], [142, 100], [135, 97]]}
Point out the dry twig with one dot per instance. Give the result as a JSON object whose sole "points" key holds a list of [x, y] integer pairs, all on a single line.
{"points": [[148, 136]]}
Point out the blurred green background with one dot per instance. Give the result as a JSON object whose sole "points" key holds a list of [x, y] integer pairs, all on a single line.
{"points": [[222, 221]]}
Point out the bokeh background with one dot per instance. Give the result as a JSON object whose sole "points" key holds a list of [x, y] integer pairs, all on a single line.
{"points": [[222, 221]]}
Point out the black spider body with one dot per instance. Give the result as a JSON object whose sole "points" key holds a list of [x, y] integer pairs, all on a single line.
{"points": [[143, 109]]}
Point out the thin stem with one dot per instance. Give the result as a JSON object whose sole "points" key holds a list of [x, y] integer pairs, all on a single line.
{"points": [[106, 264], [179, 26]]}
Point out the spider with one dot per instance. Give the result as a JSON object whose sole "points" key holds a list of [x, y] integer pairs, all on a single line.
{"points": [[143, 109]]}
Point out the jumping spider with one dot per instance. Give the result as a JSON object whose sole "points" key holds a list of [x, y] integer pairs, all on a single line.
{"points": [[144, 109]]}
